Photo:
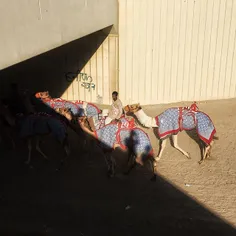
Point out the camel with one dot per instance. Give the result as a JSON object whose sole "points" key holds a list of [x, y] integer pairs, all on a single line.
{"points": [[95, 116], [174, 120], [123, 134], [6, 122], [78, 108], [37, 125]]}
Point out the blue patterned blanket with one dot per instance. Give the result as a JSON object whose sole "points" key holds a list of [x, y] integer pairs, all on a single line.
{"points": [[173, 120], [76, 108], [40, 124], [91, 109], [134, 138], [99, 122]]}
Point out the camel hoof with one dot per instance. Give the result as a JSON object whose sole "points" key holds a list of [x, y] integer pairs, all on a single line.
{"points": [[140, 163], [155, 164], [200, 162], [188, 155]]}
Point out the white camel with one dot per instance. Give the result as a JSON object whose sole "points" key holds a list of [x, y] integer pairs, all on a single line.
{"points": [[174, 120]]}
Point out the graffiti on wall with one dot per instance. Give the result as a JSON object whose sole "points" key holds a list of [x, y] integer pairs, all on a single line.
{"points": [[84, 79]]}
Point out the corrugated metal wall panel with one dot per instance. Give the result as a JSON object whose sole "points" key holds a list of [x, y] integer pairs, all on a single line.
{"points": [[103, 69], [176, 50]]}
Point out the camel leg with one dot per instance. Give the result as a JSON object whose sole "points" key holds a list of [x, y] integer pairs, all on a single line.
{"points": [[154, 169], [29, 150], [67, 150], [110, 161], [139, 160], [207, 152], [39, 149], [131, 163], [131, 157], [163, 145], [66, 146], [12, 140], [175, 143], [107, 160], [113, 165]]}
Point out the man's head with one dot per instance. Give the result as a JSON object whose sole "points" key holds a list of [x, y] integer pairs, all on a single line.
{"points": [[114, 95]]}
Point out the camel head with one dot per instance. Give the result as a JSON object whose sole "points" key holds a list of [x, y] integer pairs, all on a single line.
{"points": [[132, 108], [42, 95], [84, 123], [65, 112]]}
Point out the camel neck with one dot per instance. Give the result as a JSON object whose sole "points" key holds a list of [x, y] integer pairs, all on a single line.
{"points": [[145, 120]]}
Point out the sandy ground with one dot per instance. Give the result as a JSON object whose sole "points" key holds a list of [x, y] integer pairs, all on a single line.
{"points": [[186, 199], [213, 183]]}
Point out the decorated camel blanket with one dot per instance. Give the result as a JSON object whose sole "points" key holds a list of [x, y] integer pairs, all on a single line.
{"points": [[134, 138], [173, 120], [40, 124], [78, 108], [99, 121], [87, 109]]}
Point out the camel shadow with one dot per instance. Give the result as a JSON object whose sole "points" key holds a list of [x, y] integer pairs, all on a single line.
{"points": [[194, 136], [126, 157]]}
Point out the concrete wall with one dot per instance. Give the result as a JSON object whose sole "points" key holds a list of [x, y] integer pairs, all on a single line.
{"points": [[29, 28], [177, 50], [48, 71], [99, 77]]}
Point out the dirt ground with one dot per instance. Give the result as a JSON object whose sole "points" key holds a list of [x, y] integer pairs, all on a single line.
{"points": [[213, 183], [79, 199]]}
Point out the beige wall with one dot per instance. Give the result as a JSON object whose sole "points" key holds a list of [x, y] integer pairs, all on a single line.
{"points": [[176, 50], [103, 69], [29, 28], [49, 70]]}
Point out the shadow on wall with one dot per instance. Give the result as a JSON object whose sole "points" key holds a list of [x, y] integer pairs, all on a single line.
{"points": [[48, 70]]}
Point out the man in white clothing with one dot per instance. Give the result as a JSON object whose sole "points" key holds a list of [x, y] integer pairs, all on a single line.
{"points": [[116, 109]]}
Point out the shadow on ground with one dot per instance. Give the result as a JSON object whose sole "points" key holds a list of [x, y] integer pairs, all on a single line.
{"points": [[79, 199]]}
